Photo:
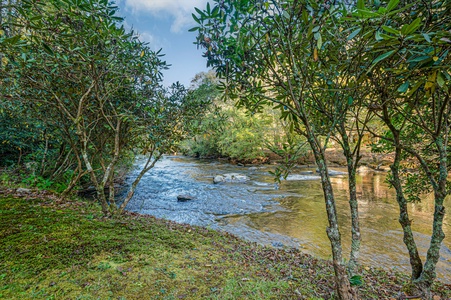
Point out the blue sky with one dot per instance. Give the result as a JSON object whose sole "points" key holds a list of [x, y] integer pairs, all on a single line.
{"points": [[164, 24]]}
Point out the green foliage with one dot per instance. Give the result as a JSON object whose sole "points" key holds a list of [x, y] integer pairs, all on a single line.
{"points": [[91, 89], [331, 69], [5, 178], [37, 181], [291, 151], [243, 137], [356, 280], [227, 132], [20, 133], [409, 48]]}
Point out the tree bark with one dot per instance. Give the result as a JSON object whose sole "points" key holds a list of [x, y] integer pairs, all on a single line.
{"points": [[351, 163], [428, 275], [404, 220], [344, 290]]}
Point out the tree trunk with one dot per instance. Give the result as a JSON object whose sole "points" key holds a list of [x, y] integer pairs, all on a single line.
{"points": [[427, 277], [44, 156], [355, 226], [73, 182], [351, 164], [344, 290], [112, 194], [100, 188], [404, 220], [149, 165]]}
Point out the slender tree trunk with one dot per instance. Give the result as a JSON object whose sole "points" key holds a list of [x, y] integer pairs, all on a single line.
{"points": [[100, 187], [344, 290], [20, 156], [355, 226], [108, 176], [73, 181], [112, 195], [44, 156], [149, 165], [351, 164], [427, 277], [404, 220]]}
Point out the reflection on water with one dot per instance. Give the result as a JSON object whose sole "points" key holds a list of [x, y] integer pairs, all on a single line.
{"points": [[293, 215]]}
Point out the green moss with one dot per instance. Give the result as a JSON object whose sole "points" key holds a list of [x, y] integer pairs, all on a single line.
{"points": [[53, 249]]}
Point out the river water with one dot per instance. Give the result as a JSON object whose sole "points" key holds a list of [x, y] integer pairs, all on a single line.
{"points": [[292, 214]]}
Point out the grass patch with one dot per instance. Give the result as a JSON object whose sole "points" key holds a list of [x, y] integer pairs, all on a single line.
{"points": [[65, 249]]}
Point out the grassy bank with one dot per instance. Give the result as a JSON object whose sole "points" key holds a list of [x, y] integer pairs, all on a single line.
{"points": [[60, 249]]}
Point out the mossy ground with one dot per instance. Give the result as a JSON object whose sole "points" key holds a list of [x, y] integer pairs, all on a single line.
{"points": [[64, 249]]}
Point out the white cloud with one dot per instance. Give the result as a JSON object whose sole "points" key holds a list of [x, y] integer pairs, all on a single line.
{"points": [[155, 42], [180, 10]]}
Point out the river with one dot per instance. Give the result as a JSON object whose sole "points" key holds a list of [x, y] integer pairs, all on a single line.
{"points": [[292, 214]]}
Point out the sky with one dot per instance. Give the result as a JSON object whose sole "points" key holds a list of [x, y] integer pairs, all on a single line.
{"points": [[164, 24]]}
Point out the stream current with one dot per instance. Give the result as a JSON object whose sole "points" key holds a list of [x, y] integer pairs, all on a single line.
{"points": [[292, 214]]}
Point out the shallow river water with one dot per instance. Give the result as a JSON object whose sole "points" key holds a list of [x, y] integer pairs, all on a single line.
{"points": [[292, 214]]}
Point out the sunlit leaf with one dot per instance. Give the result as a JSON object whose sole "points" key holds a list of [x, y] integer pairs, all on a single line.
{"points": [[408, 29], [319, 41], [414, 88], [389, 29], [196, 18], [440, 80], [383, 56], [354, 33], [360, 4], [392, 4], [367, 13], [404, 87]]}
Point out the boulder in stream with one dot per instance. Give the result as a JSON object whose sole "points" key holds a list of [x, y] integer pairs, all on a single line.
{"points": [[231, 177], [184, 198], [218, 179]]}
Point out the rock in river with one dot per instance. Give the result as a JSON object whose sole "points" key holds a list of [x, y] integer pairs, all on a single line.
{"points": [[218, 179], [184, 198], [230, 177]]}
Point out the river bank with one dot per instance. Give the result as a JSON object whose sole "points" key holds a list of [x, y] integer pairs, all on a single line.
{"points": [[61, 248], [334, 158]]}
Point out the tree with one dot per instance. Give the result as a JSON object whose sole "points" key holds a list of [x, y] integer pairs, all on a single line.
{"points": [[83, 73], [283, 54], [411, 84]]}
